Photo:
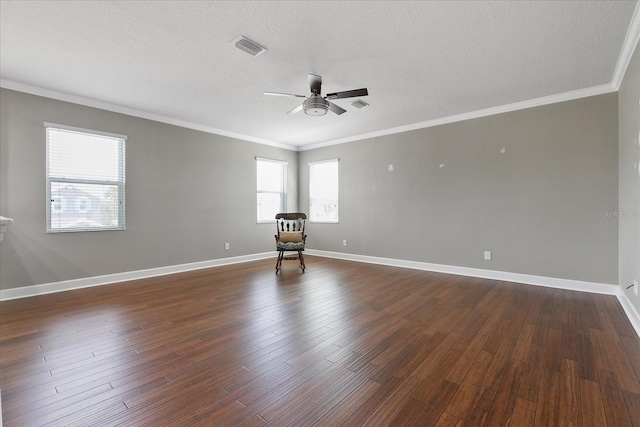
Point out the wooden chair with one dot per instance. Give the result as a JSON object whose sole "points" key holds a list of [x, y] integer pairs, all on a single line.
{"points": [[290, 236]]}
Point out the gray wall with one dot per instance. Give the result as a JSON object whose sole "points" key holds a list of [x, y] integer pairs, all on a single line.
{"points": [[188, 192], [629, 178], [538, 207]]}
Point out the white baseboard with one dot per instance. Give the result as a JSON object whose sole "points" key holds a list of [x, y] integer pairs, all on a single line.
{"points": [[551, 282], [630, 310], [67, 285]]}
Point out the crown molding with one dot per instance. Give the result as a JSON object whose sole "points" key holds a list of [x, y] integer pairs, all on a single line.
{"points": [[628, 47], [88, 102], [536, 102]]}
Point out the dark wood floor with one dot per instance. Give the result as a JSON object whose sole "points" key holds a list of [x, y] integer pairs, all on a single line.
{"points": [[344, 343]]}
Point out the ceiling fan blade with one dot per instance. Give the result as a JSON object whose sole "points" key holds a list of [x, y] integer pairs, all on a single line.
{"points": [[284, 94], [296, 110], [336, 109], [315, 83], [348, 94]]}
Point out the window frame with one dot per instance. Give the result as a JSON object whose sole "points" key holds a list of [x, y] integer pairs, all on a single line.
{"points": [[337, 195], [120, 183], [283, 193]]}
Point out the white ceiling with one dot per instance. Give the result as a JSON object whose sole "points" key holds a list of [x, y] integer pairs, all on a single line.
{"points": [[423, 62]]}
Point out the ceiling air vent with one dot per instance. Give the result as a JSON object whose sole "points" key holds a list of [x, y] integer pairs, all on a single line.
{"points": [[249, 46], [359, 103]]}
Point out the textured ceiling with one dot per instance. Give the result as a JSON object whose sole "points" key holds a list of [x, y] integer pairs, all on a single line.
{"points": [[421, 61]]}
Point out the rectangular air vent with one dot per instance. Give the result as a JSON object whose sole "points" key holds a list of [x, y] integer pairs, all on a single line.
{"points": [[249, 46], [359, 103]]}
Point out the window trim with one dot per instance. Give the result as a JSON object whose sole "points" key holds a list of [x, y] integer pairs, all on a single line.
{"points": [[337, 161], [120, 183], [283, 205]]}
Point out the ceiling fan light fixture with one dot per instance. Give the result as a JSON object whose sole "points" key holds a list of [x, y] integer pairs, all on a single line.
{"points": [[315, 105]]}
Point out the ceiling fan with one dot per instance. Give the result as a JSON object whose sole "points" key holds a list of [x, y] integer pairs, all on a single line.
{"points": [[315, 104]]}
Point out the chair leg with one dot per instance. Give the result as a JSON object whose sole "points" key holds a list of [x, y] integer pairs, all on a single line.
{"points": [[301, 258], [279, 261]]}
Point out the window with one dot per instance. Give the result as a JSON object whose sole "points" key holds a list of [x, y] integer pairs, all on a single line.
{"points": [[85, 180], [323, 191], [272, 184]]}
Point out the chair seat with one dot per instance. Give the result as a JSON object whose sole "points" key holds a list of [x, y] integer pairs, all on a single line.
{"points": [[290, 246]]}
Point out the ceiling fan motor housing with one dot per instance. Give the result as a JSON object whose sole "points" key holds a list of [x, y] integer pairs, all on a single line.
{"points": [[315, 105]]}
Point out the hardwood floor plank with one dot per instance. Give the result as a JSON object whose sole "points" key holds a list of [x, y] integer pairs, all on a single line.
{"points": [[548, 405], [570, 312], [591, 404], [523, 343], [479, 410], [345, 343], [499, 334], [370, 406], [620, 321], [613, 400], [591, 316], [339, 413], [470, 387], [389, 409], [307, 392], [105, 406], [633, 406], [570, 413], [544, 317], [621, 365], [52, 409], [457, 373], [433, 411], [601, 355], [426, 349], [331, 400], [432, 359], [432, 382], [524, 413], [553, 350], [506, 394], [630, 344], [470, 328], [389, 368], [447, 420], [586, 358], [408, 413], [263, 395], [499, 364], [255, 421], [535, 307]]}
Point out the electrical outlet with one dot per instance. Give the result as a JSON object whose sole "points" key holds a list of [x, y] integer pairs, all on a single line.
{"points": [[344, 242], [226, 246], [635, 287], [487, 255]]}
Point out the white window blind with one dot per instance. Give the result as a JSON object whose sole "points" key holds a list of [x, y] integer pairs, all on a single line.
{"points": [[323, 191], [271, 185], [85, 179]]}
